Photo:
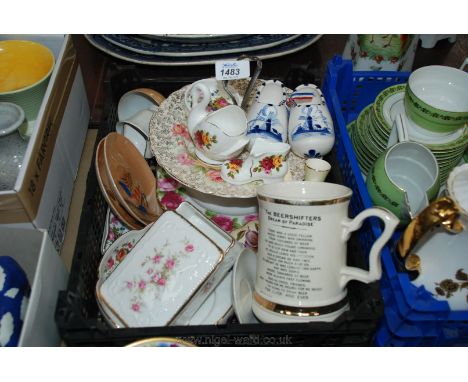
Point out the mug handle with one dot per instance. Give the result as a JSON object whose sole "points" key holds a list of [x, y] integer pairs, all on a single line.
{"points": [[375, 267], [195, 92]]}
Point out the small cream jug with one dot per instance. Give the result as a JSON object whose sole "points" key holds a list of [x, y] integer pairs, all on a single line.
{"points": [[219, 135]]}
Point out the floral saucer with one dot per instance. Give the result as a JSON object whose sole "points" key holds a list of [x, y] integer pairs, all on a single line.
{"points": [[113, 229], [175, 151], [171, 193], [118, 251]]}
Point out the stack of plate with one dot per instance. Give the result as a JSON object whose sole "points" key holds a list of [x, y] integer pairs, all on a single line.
{"points": [[370, 133], [177, 50], [126, 181]]}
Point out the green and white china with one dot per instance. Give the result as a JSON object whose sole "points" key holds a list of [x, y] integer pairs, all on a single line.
{"points": [[436, 98], [404, 179]]}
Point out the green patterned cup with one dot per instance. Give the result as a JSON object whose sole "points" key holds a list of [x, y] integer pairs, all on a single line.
{"points": [[436, 98], [404, 179]]}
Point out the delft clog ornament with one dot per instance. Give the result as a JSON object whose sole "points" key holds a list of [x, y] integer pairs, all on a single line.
{"points": [[217, 135], [268, 116], [310, 130], [267, 161]]}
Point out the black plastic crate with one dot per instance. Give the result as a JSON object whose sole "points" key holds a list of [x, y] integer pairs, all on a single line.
{"points": [[80, 322]]}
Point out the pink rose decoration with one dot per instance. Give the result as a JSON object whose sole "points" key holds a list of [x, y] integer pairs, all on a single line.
{"points": [[168, 184], [114, 220], [156, 259], [149, 271], [214, 176], [251, 239], [224, 222], [162, 281], [170, 263], [156, 277], [250, 218], [189, 248], [142, 285], [111, 236], [185, 159], [171, 200], [179, 129], [110, 263], [136, 307], [129, 285]]}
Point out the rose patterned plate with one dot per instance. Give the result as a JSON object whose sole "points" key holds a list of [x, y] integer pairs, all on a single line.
{"points": [[157, 285], [113, 229], [215, 310], [175, 152], [170, 193], [118, 251]]}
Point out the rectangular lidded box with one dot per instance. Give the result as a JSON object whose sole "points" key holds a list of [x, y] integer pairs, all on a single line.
{"points": [[172, 270]]}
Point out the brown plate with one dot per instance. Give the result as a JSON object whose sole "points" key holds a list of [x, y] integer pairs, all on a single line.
{"points": [[108, 193], [131, 178]]}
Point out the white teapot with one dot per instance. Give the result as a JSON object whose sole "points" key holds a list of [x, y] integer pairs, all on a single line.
{"points": [[219, 135]]}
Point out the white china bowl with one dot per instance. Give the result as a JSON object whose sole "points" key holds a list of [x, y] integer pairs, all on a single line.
{"points": [[457, 187], [138, 99], [442, 87]]}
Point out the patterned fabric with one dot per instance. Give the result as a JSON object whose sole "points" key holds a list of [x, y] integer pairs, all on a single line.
{"points": [[14, 288]]}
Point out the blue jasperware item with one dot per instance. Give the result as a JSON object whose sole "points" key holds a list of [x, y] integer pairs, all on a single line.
{"points": [[14, 288]]}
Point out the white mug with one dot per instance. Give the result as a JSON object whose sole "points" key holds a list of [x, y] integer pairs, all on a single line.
{"points": [[301, 262]]}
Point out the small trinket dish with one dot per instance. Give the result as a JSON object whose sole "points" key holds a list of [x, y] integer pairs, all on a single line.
{"points": [[173, 269]]}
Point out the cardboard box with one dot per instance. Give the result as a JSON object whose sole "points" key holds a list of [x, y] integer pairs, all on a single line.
{"points": [[47, 275], [42, 193]]}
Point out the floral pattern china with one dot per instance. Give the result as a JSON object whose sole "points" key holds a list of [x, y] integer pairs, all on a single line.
{"points": [[119, 249], [113, 229], [175, 151], [170, 194], [151, 286], [215, 310]]}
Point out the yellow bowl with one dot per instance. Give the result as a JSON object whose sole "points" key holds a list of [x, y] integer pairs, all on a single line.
{"points": [[25, 70], [23, 64]]}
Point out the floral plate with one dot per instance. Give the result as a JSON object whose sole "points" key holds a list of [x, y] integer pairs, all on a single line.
{"points": [[215, 310], [113, 229], [175, 151], [155, 285], [242, 227]]}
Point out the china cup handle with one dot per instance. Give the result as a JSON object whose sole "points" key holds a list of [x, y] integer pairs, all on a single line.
{"points": [[375, 267]]}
